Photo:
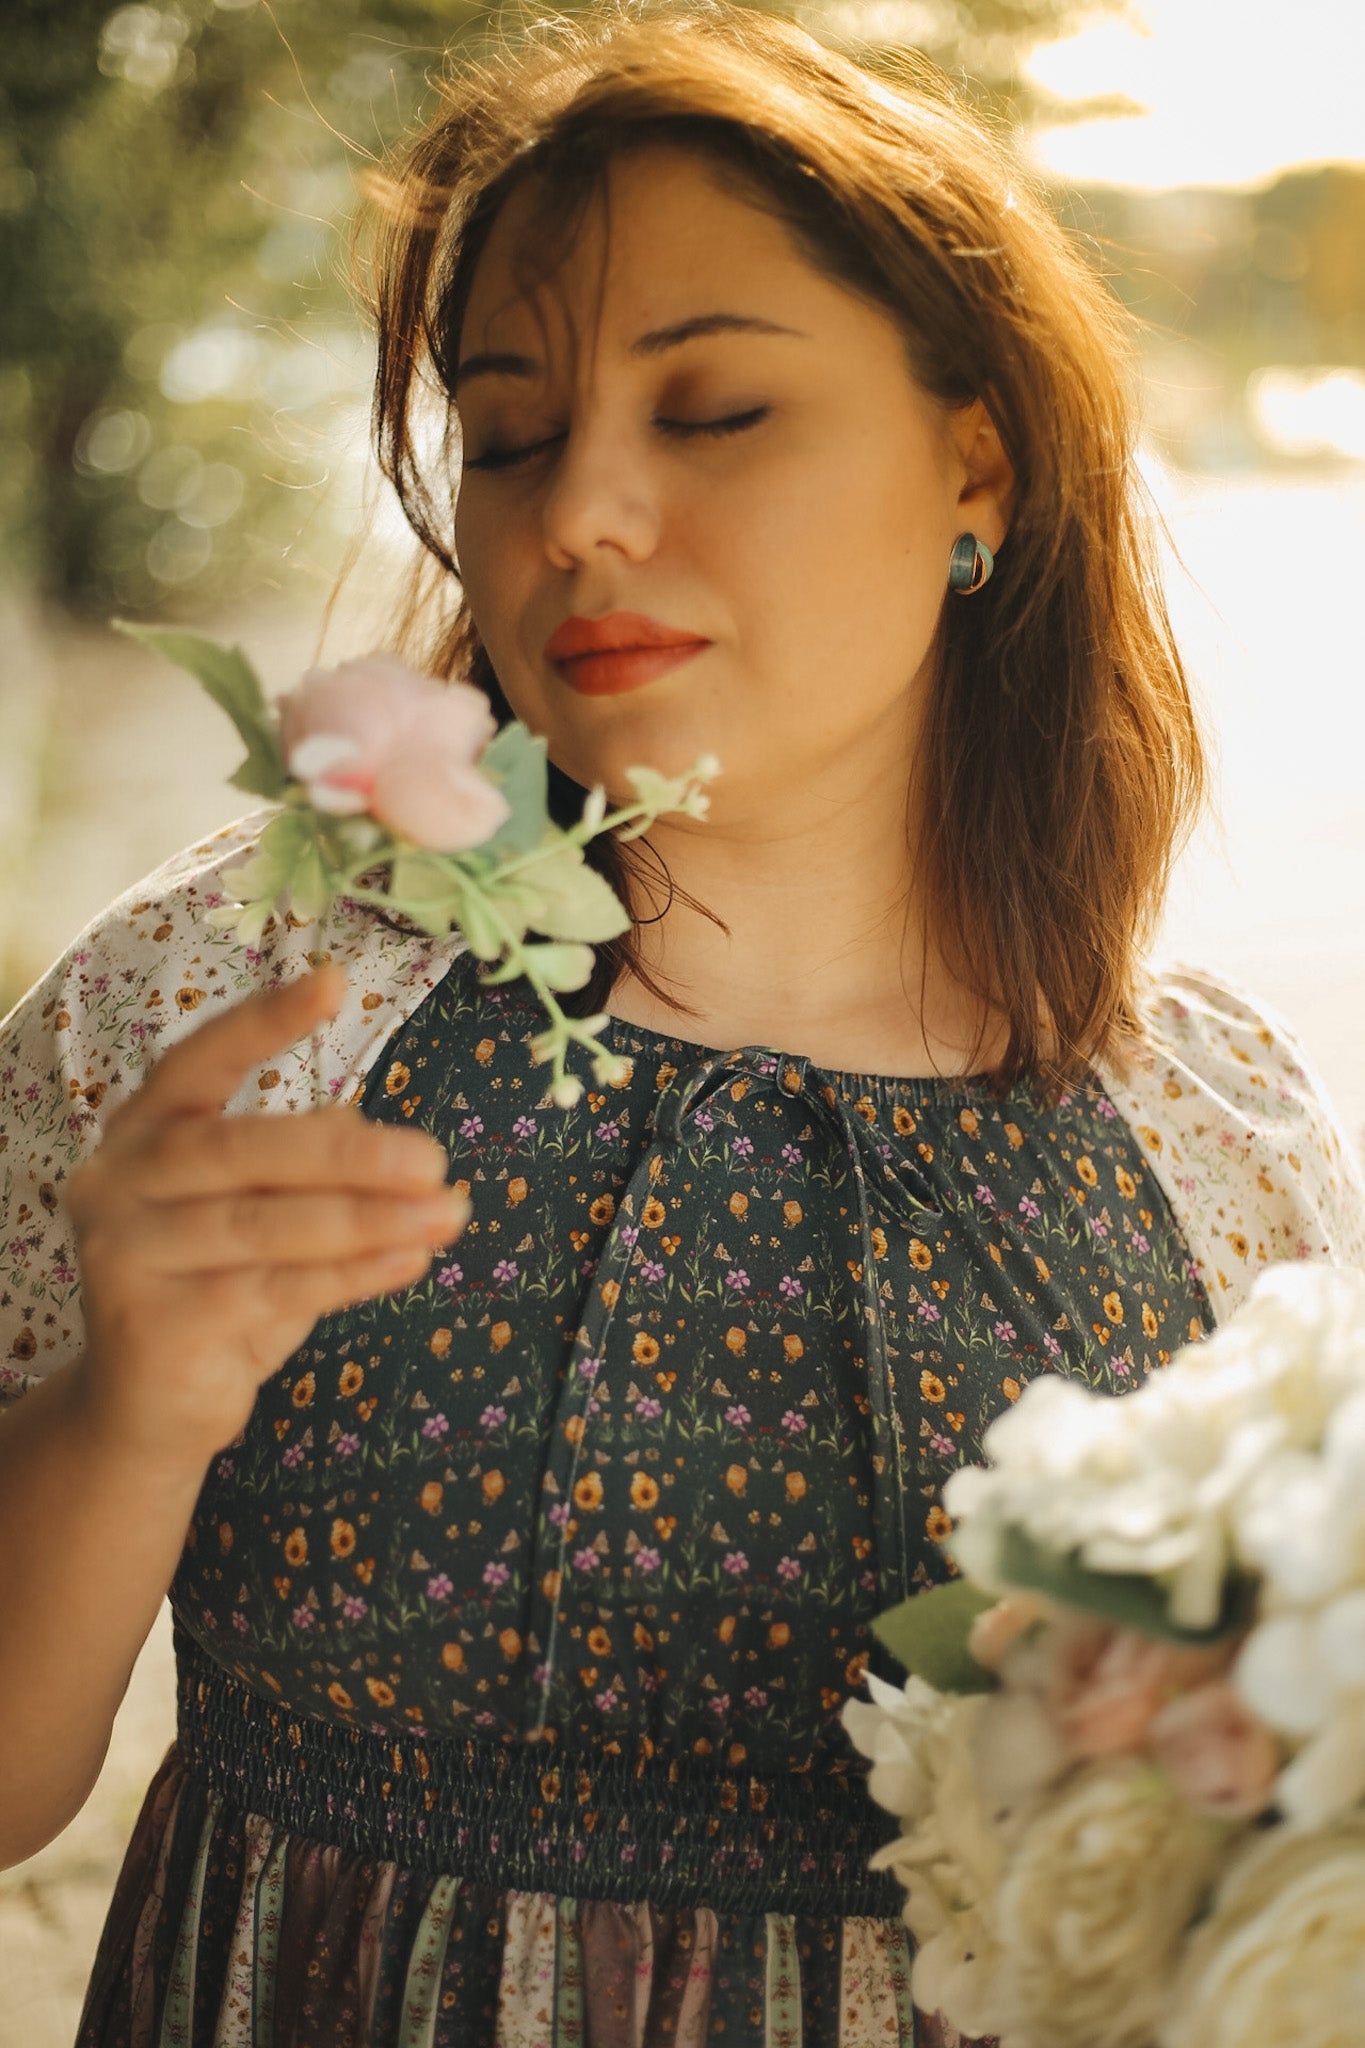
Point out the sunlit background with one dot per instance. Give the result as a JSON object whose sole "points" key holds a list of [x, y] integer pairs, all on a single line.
{"points": [[183, 397]]}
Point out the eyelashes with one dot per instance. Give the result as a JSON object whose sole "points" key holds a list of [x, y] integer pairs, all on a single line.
{"points": [[681, 430]]}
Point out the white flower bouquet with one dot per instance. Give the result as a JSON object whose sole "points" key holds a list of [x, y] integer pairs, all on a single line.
{"points": [[1129, 1762], [397, 790]]}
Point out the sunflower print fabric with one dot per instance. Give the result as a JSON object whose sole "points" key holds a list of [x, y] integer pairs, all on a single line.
{"points": [[514, 1629]]}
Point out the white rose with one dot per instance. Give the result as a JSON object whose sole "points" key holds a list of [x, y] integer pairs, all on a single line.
{"points": [[922, 1745], [1281, 1957], [1093, 1907]]}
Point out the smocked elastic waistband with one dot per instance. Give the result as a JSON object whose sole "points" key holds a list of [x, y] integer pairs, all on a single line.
{"points": [[531, 1817]]}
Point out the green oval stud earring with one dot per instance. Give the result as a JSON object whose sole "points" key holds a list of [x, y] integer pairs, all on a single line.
{"points": [[969, 565]]}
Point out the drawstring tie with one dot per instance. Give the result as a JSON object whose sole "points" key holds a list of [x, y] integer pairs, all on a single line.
{"points": [[904, 1195]]}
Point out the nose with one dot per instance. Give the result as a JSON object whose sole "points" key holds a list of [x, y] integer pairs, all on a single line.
{"points": [[601, 499]]}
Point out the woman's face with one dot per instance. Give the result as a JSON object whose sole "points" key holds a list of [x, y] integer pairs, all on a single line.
{"points": [[696, 439]]}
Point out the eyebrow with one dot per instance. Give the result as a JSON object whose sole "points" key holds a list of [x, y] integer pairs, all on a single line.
{"points": [[655, 343]]}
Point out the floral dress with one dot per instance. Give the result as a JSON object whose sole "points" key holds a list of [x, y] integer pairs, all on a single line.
{"points": [[514, 1629]]}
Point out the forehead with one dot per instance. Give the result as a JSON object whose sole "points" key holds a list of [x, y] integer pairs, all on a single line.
{"points": [[657, 232]]}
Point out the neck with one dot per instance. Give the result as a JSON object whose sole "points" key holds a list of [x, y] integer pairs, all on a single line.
{"points": [[824, 951]]}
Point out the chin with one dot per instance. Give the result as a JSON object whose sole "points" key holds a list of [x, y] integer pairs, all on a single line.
{"points": [[624, 732]]}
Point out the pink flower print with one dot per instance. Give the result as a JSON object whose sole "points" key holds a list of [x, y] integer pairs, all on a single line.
{"points": [[608, 1133], [1006, 1331], [1119, 1365], [524, 1127], [742, 1145], [737, 1279], [585, 1561], [302, 1617], [496, 1573], [505, 1271], [647, 1559], [789, 1569], [471, 1127], [704, 1121], [737, 1415], [494, 1415], [353, 1608], [1029, 1209], [868, 1581], [629, 1233], [793, 1423], [101, 981], [347, 1445], [755, 1696], [604, 1701], [651, 1271], [720, 1703], [225, 1468], [792, 1154], [434, 1426], [239, 1622], [929, 1312], [1051, 1346], [588, 1368], [944, 1445], [558, 1514], [1139, 1242], [984, 1196], [439, 1587], [375, 735], [647, 1408], [736, 1563], [790, 1286], [627, 1848], [450, 1276], [293, 1457]]}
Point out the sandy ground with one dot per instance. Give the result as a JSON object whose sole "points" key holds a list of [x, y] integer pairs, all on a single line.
{"points": [[108, 763]]}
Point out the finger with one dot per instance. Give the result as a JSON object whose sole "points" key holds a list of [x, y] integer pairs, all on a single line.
{"points": [[267, 1230], [201, 1072], [332, 1285], [338, 1149]]}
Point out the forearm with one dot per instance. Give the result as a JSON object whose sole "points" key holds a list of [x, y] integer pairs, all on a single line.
{"points": [[89, 1543]]}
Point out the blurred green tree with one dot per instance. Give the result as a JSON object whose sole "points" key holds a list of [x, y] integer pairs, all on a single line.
{"points": [[181, 366]]}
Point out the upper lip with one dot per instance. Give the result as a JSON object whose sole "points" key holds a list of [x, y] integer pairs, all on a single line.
{"points": [[614, 634]]}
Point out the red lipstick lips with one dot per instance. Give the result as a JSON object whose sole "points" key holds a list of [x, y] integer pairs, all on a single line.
{"points": [[602, 657]]}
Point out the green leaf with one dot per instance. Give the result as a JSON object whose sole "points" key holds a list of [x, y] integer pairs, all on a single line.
{"points": [[928, 1635], [1126, 1600], [560, 967], [424, 888], [570, 900], [228, 677], [481, 929], [515, 760]]}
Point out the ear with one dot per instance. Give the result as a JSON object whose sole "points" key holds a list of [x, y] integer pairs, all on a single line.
{"points": [[986, 500]]}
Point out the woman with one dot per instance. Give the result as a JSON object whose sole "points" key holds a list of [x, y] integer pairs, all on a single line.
{"points": [[518, 1587]]}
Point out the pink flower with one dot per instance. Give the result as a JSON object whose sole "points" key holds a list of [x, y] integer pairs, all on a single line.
{"points": [[1222, 1758], [1110, 1683], [374, 735], [996, 1630]]}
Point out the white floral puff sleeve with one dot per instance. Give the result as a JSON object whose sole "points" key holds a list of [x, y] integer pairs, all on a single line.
{"points": [[145, 972], [1240, 1134]]}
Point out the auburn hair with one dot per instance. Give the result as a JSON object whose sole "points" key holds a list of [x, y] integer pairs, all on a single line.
{"points": [[1061, 765]]}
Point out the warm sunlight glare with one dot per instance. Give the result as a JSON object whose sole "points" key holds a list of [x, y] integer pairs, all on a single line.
{"points": [[1234, 92]]}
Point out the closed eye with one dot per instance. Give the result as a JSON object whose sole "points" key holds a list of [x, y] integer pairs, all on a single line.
{"points": [[683, 430]]}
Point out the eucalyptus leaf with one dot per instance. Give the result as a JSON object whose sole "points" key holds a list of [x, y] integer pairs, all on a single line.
{"points": [[228, 677], [515, 760], [1126, 1600], [928, 1635]]}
